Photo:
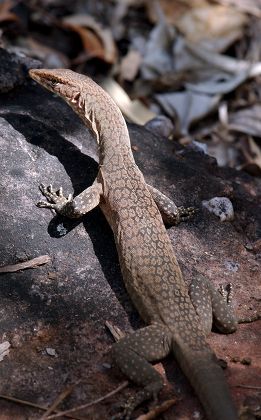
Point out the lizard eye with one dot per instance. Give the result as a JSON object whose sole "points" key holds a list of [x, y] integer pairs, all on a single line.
{"points": [[52, 83]]}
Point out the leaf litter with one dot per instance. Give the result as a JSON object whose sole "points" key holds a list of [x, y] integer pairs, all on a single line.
{"points": [[185, 60]]}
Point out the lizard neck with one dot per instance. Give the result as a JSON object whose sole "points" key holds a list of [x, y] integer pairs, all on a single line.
{"points": [[107, 125]]}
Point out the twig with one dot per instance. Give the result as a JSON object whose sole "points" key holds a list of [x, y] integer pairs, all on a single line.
{"points": [[155, 411], [81, 407], [59, 399], [23, 402], [43, 259], [115, 331], [31, 404], [249, 387]]}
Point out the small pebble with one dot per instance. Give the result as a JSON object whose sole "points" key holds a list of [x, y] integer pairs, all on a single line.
{"points": [[246, 361], [161, 126], [51, 352], [221, 207], [106, 365], [199, 147], [232, 266]]}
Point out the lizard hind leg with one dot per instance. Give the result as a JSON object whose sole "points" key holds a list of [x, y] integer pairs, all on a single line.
{"points": [[171, 214], [134, 352], [213, 306]]}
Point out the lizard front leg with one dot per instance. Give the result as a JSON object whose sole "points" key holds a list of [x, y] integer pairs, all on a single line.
{"points": [[134, 352], [171, 214], [73, 208]]}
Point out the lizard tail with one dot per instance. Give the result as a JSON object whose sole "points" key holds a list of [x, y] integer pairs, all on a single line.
{"points": [[208, 381]]}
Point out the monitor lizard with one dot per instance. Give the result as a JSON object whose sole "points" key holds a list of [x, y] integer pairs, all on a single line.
{"points": [[178, 318]]}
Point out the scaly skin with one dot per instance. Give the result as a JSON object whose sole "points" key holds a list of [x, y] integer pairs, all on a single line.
{"points": [[149, 267]]}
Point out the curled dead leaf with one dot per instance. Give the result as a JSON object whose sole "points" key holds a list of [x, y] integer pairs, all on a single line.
{"points": [[130, 65], [5, 12], [212, 26], [97, 41], [135, 111], [247, 121], [252, 154], [188, 106]]}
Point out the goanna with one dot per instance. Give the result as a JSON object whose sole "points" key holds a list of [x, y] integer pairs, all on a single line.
{"points": [[177, 318]]}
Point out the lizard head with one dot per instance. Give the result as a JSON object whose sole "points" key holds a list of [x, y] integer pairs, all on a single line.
{"points": [[72, 87], [63, 82], [76, 89], [86, 98]]}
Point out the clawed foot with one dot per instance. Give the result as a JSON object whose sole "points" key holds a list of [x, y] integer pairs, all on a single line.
{"points": [[133, 402], [186, 213], [226, 293], [55, 199]]}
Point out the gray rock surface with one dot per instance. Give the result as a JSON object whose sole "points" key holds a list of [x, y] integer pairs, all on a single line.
{"points": [[63, 305]]}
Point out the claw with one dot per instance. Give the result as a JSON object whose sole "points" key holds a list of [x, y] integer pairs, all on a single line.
{"points": [[42, 188], [55, 199], [230, 293], [45, 204], [186, 213], [226, 293]]}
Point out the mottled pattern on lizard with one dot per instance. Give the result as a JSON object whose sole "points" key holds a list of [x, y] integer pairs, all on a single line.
{"points": [[149, 267]]}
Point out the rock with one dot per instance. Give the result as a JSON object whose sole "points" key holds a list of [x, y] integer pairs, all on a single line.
{"points": [[64, 304]]}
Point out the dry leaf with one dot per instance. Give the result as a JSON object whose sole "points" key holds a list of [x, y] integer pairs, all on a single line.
{"points": [[224, 73], [252, 7], [157, 59], [189, 106], [219, 83], [97, 41], [213, 26], [173, 10], [252, 154], [135, 111], [247, 121], [224, 62], [130, 65], [5, 14], [50, 57]]}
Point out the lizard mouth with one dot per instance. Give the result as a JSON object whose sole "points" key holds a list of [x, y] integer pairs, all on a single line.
{"points": [[48, 80]]}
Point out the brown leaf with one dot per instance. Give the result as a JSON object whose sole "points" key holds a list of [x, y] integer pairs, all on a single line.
{"points": [[5, 14], [173, 10], [252, 154], [97, 41], [212, 26], [252, 7]]}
